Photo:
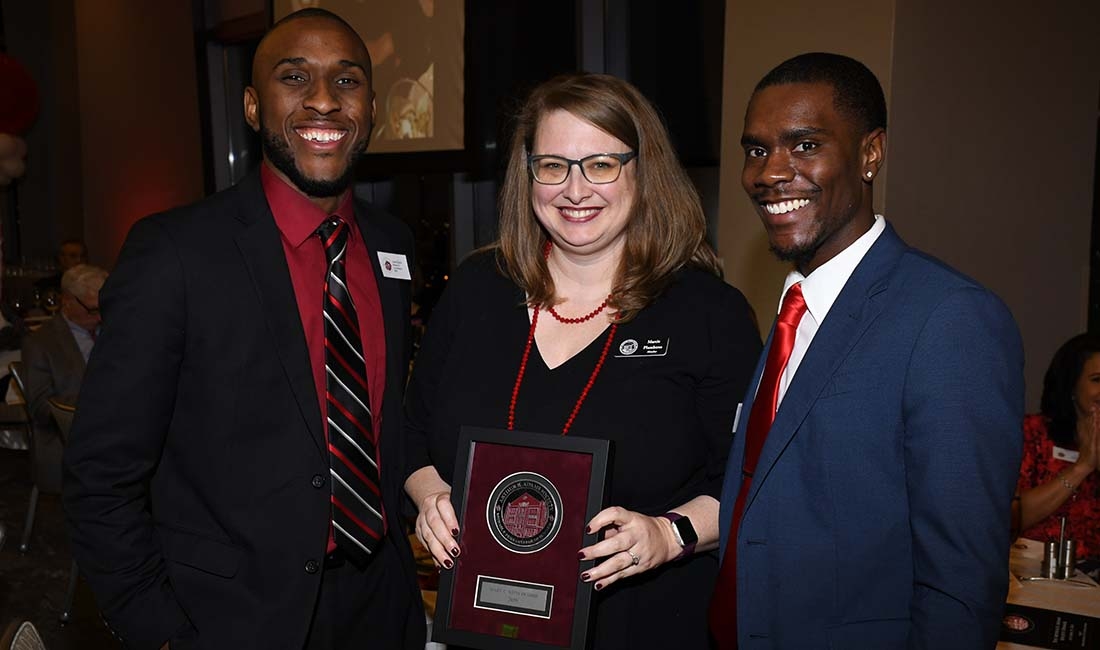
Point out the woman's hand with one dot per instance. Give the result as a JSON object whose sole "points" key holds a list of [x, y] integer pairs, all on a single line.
{"points": [[437, 526], [1043, 500], [633, 543], [1089, 448], [436, 523]]}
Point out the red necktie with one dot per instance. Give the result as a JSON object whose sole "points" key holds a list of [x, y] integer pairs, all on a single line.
{"points": [[723, 606], [357, 518]]}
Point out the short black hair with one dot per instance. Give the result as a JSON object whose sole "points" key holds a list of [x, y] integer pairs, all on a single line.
{"points": [[1059, 384], [313, 12], [857, 94]]}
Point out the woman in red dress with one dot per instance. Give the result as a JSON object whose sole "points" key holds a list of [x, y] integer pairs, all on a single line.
{"points": [[1059, 475]]}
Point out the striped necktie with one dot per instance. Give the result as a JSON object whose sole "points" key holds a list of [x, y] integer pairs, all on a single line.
{"points": [[357, 520]]}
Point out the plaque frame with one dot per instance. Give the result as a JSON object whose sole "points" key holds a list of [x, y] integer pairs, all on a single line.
{"points": [[475, 441]]}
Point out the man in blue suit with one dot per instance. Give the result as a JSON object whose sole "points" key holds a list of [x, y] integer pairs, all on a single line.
{"points": [[870, 507]]}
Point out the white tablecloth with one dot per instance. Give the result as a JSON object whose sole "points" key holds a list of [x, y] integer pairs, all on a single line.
{"points": [[1053, 594]]}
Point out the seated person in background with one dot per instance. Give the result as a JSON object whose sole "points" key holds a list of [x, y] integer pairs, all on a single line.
{"points": [[1058, 476], [54, 355], [71, 253]]}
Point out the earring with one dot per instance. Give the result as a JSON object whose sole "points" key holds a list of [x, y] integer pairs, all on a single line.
{"points": [[870, 174]]}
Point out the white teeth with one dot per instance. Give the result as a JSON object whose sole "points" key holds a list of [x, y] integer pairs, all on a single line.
{"points": [[783, 207], [574, 213], [321, 135]]}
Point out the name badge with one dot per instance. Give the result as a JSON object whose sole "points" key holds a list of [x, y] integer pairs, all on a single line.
{"points": [[1067, 455], [635, 348], [394, 265]]}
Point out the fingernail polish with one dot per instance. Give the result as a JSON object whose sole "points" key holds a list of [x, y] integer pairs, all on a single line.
{"points": [[598, 586], [448, 563], [454, 551], [587, 530], [585, 577], [580, 556], [454, 531]]}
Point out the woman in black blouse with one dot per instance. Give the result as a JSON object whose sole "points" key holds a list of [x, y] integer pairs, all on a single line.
{"points": [[599, 313]]}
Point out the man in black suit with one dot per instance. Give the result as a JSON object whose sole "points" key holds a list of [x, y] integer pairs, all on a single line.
{"points": [[206, 467]]}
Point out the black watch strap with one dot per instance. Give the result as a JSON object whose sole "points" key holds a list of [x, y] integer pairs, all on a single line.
{"points": [[684, 531]]}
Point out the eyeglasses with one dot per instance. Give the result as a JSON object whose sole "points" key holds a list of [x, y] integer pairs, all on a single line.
{"points": [[599, 168], [92, 311]]}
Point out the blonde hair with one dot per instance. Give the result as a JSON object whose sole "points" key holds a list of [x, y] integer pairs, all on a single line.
{"points": [[666, 228], [83, 280]]}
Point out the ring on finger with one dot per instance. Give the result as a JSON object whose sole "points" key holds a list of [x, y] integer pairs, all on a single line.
{"points": [[634, 559]]}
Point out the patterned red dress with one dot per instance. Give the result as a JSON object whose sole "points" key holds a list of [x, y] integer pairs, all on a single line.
{"points": [[1082, 510]]}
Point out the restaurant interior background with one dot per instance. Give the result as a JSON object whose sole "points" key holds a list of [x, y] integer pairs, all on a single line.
{"points": [[994, 110], [993, 134]]}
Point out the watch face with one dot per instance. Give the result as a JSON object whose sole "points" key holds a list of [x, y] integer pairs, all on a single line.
{"points": [[686, 530]]}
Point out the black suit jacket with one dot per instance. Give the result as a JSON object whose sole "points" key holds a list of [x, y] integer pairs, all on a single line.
{"points": [[196, 481]]}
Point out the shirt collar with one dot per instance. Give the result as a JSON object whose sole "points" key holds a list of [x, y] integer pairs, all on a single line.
{"points": [[76, 329], [822, 286], [295, 215]]}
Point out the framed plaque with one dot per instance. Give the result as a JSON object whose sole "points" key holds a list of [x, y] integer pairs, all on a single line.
{"points": [[522, 501]]}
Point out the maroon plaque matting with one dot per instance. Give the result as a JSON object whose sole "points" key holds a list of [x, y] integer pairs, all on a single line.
{"points": [[522, 500]]}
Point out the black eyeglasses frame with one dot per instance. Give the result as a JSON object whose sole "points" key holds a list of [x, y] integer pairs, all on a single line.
{"points": [[623, 159], [91, 311]]}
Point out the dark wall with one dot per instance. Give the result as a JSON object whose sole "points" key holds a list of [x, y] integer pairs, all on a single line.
{"points": [[675, 58]]}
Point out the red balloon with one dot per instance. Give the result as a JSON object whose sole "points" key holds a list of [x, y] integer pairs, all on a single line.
{"points": [[19, 99]]}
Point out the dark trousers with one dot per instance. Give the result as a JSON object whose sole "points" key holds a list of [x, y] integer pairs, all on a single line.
{"points": [[361, 609]]}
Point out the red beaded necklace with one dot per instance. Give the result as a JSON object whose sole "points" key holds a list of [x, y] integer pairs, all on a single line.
{"points": [[584, 391], [572, 321], [527, 353], [587, 317]]}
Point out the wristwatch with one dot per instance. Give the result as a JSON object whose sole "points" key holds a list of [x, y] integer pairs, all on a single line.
{"points": [[685, 533]]}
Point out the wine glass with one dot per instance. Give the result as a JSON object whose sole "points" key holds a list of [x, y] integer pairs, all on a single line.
{"points": [[51, 302]]}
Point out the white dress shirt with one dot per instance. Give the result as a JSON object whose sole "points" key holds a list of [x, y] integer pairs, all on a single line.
{"points": [[820, 289]]}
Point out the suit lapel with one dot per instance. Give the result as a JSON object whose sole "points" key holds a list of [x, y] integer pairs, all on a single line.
{"points": [[860, 302], [394, 323], [262, 249], [377, 240], [74, 358]]}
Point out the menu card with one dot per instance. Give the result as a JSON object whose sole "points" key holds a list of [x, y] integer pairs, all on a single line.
{"points": [[1046, 628]]}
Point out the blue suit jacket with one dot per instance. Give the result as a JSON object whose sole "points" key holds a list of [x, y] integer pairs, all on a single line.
{"points": [[879, 513]]}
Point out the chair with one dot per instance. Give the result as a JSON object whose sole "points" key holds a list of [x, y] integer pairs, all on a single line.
{"points": [[21, 636], [63, 415], [16, 370], [13, 417], [63, 423]]}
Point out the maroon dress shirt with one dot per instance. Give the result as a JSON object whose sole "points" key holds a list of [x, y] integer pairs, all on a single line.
{"points": [[297, 219]]}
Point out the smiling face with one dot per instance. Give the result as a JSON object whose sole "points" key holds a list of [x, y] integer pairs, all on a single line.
{"points": [[806, 171], [582, 217], [1086, 394], [312, 103]]}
